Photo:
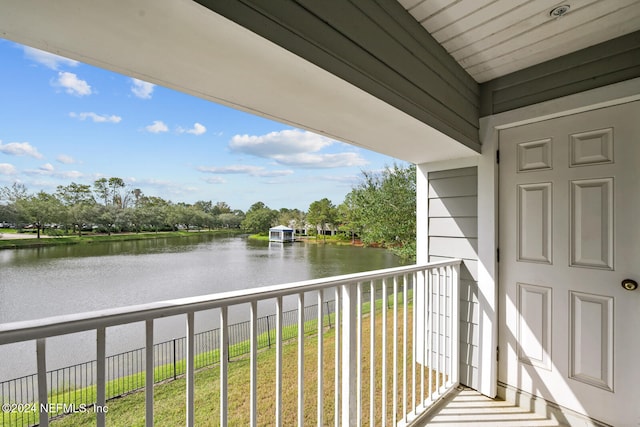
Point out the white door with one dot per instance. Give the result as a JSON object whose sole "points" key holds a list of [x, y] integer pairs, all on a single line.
{"points": [[569, 237]]}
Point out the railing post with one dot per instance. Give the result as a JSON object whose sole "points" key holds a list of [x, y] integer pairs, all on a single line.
{"points": [[190, 371], [101, 382], [328, 314], [301, 359], [455, 327], [253, 363], [149, 373], [175, 359], [268, 332], [224, 359], [43, 396], [349, 355]]}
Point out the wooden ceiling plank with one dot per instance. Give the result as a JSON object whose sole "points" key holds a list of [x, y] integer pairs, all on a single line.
{"points": [[550, 39], [453, 13], [608, 27], [429, 8], [481, 17], [470, 41]]}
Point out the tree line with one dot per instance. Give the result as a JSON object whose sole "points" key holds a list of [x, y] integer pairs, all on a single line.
{"points": [[379, 210]]}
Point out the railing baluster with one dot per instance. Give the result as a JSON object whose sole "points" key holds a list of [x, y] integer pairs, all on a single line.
{"points": [[395, 350], [424, 280], [359, 354], [301, 359], [414, 346], [320, 361], [148, 392], [190, 368], [278, 361], [405, 315], [449, 292], [101, 383], [337, 309], [224, 361], [430, 340], [349, 365], [372, 352], [385, 301], [455, 323], [43, 395], [253, 393]]}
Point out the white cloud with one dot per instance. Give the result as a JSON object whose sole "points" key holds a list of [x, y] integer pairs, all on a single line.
{"points": [[47, 59], [142, 90], [64, 159], [320, 161], [70, 174], [20, 149], [197, 129], [258, 171], [7, 169], [157, 127], [97, 118], [282, 142], [295, 148], [215, 180], [48, 170], [72, 84]]}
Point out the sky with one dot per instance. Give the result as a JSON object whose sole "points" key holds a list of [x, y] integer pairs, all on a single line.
{"points": [[63, 121]]}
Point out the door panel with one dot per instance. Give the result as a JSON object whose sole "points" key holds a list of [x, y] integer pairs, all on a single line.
{"points": [[569, 234]]}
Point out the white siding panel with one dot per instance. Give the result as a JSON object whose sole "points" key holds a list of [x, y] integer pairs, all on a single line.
{"points": [[453, 187], [453, 207], [453, 227], [454, 247]]}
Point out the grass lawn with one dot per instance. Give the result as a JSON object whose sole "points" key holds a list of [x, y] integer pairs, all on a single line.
{"points": [[169, 407]]}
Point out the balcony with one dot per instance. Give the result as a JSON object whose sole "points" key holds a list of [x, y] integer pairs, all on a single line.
{"points": [[379, 358]]}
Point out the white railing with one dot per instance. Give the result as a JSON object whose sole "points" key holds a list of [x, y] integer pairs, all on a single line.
{"points": [[411, 354]]}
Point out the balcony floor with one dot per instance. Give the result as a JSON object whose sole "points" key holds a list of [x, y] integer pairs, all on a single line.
{"points": [[465, 407]]}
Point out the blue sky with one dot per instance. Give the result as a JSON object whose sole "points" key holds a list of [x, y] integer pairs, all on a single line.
{"points": [[62, 121]]}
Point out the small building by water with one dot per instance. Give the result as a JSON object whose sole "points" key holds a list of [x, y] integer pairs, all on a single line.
{"points": [[282, 234]]}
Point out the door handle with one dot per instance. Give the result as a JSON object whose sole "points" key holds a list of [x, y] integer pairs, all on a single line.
{"points": [[630, 285]]}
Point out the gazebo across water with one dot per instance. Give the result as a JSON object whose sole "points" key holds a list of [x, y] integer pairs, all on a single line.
{"points": [[281, 234]]}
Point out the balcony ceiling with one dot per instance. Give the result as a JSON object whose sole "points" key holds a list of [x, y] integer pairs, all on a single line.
{"points": [[187, 46], [492, 38]]}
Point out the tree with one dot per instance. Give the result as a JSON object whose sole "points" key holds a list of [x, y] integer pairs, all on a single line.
{"points": [[383, 208], [322, 213], [79, 205], [40, 209], [10, 196], [259, 218]]}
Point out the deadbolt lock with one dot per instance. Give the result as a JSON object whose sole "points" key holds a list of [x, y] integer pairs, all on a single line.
{"points": [[630, 285]]}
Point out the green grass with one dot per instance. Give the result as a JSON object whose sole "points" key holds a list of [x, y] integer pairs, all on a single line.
{"points": [[8, 243]]}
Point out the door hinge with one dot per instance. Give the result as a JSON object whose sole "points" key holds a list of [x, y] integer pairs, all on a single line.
{"points": [[497, 254], [497, 354], [498, 156]]}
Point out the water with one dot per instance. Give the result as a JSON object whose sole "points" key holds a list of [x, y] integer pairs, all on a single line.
{"points": [[43, 282]]}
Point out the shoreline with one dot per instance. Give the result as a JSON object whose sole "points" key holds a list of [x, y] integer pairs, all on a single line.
{"points": [[8, 241]]}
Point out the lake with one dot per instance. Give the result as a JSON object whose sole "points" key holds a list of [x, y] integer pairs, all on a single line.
{"points": [[49, 281]]}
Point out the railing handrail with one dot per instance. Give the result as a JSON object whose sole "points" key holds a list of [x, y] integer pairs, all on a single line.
{"points": [[78, 322]]}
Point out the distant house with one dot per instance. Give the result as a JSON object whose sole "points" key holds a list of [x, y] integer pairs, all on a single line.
{"points": [[282, 234]]}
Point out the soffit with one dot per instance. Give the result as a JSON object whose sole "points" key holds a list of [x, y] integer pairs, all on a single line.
{"points": [[493, 38]]}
